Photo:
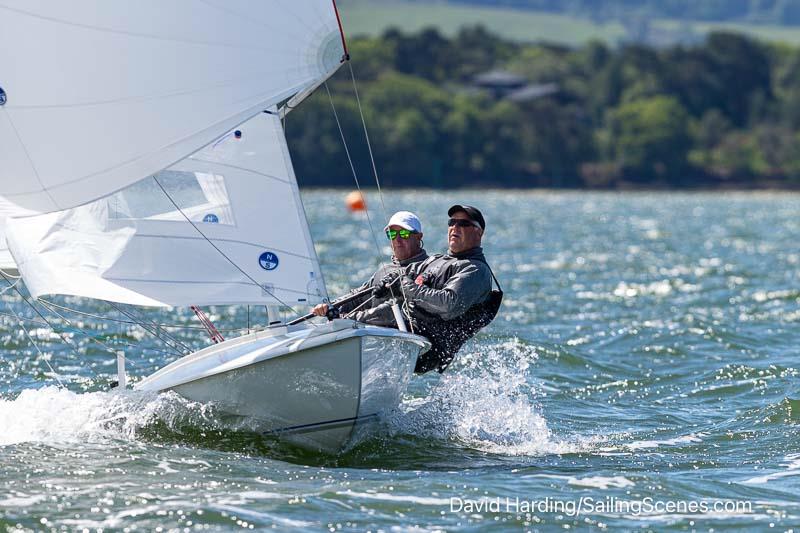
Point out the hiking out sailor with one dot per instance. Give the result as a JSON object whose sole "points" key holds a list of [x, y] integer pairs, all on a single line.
{"points": [[450, 296], [404, 232]]}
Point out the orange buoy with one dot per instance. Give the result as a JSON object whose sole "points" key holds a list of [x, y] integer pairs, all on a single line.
{"points": [[355, 201]]}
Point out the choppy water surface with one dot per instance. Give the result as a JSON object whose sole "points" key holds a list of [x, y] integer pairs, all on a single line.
{"points": [[646, 356]]}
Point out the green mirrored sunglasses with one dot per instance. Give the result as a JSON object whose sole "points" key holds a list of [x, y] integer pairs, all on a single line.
{"points": [[402, 233]]}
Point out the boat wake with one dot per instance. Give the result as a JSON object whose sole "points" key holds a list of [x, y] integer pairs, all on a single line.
{"points": [[53, 415], [485, 401]]}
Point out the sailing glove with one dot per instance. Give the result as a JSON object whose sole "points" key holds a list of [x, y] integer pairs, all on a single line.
{"points": [[382, 289]]}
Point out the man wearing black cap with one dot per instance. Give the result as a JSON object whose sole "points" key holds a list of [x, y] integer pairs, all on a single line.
{"points": [[450, 296]]}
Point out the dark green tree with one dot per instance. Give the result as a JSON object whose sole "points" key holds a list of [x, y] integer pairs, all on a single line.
{"points": [[649, 138]]}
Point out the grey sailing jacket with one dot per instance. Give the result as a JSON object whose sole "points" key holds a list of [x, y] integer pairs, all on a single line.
{"points": [[444, 287], [364, 305]]}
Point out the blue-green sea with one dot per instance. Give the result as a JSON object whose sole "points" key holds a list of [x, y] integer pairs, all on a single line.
{"points": [[643, 374]]}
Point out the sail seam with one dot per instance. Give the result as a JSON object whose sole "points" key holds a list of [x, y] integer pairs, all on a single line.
{"points": [[249, 19], [227, 165], [249, 113], [254, 245], [199, 282], [161, 96], [189, 238], [30, 161], [139, 35], [231, 261]]}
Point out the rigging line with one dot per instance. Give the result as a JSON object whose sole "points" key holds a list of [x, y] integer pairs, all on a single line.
{"points": [[45, 324], [129, 344], [150, 328], [11, 285], [353, 169], [42, 323], [26, 319], [87, 334], [189, 220], [133, 322], [366, 136], [30, 338], [155, 332], [358, 185], [368, 300], [158, 330], [377, 180], [66, 339]]}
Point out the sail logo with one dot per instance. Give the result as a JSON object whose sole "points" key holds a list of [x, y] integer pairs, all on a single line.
{"points": [[268, 261], [211, 218], [2, 96]]}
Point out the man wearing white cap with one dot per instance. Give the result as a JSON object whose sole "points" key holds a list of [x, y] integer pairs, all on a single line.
{"points": [[404, 231]]}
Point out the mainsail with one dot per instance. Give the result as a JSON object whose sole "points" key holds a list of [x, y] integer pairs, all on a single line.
{"points": [[97, 94], [137, 246]]}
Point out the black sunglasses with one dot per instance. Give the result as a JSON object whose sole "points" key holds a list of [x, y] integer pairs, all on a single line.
{"points": [[462, 223]]}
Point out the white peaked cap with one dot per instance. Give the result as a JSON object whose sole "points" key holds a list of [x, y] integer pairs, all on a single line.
{"points": [[405, 219]]}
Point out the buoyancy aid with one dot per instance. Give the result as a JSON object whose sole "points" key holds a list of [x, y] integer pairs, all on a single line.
{"points": [[448, 336]]}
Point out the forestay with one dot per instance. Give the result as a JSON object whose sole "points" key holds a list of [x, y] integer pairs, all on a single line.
{"points": [[135, 246], [97, 95]]}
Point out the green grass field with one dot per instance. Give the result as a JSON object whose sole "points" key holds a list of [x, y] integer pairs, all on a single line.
{"points": [[372, 17]]}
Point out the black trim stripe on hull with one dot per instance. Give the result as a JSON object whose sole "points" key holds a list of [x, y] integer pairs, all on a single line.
{"points": [[316, 426]]}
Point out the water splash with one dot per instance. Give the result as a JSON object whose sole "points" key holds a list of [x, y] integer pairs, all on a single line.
{"points": [[485, 402], [57, 415]]}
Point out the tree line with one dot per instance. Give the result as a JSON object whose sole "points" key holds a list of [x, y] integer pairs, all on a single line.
{"points": [[722, 113], [785, 12]]}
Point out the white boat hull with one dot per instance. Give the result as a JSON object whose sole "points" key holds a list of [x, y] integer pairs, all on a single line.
{"points": [[317, 387]]}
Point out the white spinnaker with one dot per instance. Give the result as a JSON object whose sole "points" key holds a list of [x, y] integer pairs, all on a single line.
{"points": [[7, 209], [103, 93], [245, 200], [7, 263]]}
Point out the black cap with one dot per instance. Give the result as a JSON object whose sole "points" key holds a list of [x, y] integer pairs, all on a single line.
{"points": [[472, 212]]}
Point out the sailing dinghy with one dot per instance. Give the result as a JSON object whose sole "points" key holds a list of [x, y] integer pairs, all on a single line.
{"points": [[144, 163]]}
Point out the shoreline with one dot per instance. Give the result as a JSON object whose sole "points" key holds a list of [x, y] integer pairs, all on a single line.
{"points": [[634, 189]]}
